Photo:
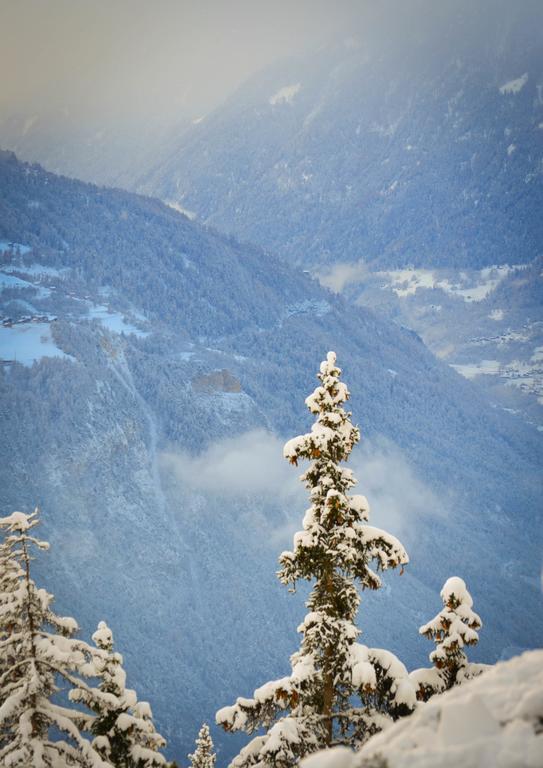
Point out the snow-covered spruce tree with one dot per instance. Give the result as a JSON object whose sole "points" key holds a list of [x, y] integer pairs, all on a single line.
{"points": [[11, 574], [37, 652], [10, 622], [203, 756], [124, 733], [339, 691], [454, 627]]}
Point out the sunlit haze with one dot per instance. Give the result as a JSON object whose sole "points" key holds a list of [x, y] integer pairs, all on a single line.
{"points": [[132, 58]]}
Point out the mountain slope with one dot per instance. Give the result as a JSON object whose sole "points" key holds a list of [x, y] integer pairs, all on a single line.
{"points": [[418, 142], [403, 167], [141, 354]]}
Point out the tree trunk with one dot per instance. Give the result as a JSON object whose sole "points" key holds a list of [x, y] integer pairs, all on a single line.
{"points": [[328, 674]]}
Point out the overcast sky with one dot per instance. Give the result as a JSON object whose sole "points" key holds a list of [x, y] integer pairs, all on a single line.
{"points": [[127, 57]]}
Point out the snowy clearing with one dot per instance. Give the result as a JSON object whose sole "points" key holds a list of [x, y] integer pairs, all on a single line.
{"points": [[476, 287], [484, 368], [115, 322], [8, 281], [27, 343], [36, 270], [6, 246]]}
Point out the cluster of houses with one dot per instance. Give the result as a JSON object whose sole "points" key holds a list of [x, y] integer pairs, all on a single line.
{"points": [[8, 322]]}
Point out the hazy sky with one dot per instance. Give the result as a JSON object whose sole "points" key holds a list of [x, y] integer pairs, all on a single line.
{"points": [[130, 57]]}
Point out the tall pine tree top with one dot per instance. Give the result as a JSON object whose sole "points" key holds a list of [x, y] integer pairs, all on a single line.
{"points": [[335, 536], [339, 691]]}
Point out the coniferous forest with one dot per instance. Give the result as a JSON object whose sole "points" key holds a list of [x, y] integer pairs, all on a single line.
{"points": [[339, 691]]}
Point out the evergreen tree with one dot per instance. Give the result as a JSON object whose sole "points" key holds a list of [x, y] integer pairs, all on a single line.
{"points": [[11, 574], [37, 649], [124, 733], [339, 691], [203, 756], [454, 628]]}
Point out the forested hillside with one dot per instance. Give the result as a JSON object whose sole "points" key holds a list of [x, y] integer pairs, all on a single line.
{"points": [[155, 352], [403, 167]]}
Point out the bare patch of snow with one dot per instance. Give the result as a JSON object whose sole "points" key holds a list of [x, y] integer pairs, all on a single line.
{"points": [[285, 95], [179, 208], [514, 86], [485, 367]]}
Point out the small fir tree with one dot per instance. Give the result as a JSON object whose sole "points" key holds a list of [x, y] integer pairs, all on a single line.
{"points": [[124, 733], [203, 756], [37, 649], [454, 628], [339, 691]]}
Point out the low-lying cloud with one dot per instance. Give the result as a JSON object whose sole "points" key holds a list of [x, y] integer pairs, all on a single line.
{"points": [[398, 498], [339, 276], [251, 466]]}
